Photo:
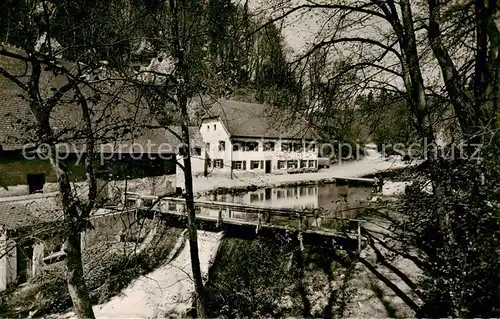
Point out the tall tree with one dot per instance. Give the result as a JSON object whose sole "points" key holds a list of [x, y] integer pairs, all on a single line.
{"points": [[397, 46], [393, 48], [55, 90], [171, 80]]}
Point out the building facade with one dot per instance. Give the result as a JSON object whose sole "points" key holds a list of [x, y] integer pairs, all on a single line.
{"points": [[246, 137]]}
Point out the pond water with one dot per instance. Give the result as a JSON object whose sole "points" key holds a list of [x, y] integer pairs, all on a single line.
{"points": [[333, 201]]}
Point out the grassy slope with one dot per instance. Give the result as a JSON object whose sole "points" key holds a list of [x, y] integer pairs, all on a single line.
{"points": [[271, 277]]}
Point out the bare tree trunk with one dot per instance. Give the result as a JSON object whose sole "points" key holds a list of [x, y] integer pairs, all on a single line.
{"points": [[74, 276], [192, 227], [73, 222], [469, 118], [76, 283], [410, 65], [182, 100], [409, 46]]}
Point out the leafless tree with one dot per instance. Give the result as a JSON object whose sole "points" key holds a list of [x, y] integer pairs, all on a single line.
{"points": [[403, 42], [55, 90]]}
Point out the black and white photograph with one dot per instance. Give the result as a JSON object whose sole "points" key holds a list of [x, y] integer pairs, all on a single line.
{"points": [[249, 159]]}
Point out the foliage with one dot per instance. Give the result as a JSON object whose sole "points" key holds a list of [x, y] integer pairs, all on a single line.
{"points": [[270, 276], [456, 229], [249, 276], [386, 117]]}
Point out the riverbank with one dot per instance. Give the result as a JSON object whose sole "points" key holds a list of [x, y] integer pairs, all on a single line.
{"points": [[372, 164]]}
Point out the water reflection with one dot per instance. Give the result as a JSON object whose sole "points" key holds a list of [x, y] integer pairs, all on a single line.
{"points": [[331, 200], [328, 196], [286, 197]]}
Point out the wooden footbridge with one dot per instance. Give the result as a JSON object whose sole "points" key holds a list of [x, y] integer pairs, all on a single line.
{"points": [[314, 224]]}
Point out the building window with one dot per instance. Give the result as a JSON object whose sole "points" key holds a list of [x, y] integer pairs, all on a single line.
{"points": [[215, 127], [269, 146], [303, 164], [303, 190], [286, 147], [197, 151], [297, 147], [311, 147], [53, 250], [208, 147], [245, 146], [208, 128], [253, 146], [312, 163], [222, 146], [254, 198], [52, 246], [218, 163], [281, 164], [292, 164], [254, 164], [239, 165]]}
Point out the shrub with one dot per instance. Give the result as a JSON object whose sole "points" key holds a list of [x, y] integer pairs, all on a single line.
{"points": [[266, 277]]}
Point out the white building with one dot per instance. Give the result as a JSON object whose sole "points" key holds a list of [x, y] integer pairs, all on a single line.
{"points": [[252, 137]]}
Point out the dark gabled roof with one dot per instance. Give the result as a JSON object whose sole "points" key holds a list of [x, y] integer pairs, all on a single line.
{"points": [[259, 120], [25, 211], [115, 113], [157, 140]]}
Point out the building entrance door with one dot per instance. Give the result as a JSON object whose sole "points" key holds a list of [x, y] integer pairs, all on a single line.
{"points": [[268, 166], [35, 182]]}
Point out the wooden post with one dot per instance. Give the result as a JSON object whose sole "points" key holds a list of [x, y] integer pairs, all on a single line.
{"points": [[219, 218], [301, 243], [259, 223], [359, 238]]}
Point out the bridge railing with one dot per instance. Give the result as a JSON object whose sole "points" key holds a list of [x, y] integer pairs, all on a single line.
{"points": [[303, 220]]}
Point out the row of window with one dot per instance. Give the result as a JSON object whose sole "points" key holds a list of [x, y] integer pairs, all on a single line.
{"points": [[253, 165], [267, 146], [288, 164], [293, 164], [216, 163], [243, 165]]}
